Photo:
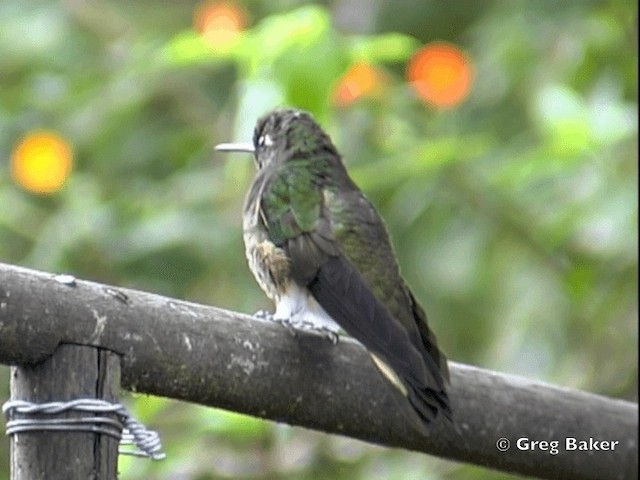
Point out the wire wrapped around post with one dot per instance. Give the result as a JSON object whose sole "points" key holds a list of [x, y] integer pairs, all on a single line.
{"points": [[21, 417]]}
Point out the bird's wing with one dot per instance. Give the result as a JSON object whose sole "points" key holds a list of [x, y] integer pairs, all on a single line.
{"points": [[311, 224], [292, 210]]}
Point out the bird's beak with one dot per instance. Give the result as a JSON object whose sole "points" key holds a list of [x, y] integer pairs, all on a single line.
{"points": [[235, 147]]}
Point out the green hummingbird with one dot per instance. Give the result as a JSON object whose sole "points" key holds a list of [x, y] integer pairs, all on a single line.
{"points": [[319, 250]]}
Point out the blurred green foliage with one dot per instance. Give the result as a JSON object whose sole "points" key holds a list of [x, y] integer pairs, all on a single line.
{"points": [[514, 215]]}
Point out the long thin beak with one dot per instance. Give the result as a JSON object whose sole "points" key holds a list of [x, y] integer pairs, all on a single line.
{"points": [[235, 147]]}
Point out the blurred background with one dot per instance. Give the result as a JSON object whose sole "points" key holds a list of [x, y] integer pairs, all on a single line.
{"points": [[498, 140]]}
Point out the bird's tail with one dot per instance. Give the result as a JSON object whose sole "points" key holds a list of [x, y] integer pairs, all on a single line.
{"points": [[421, 402]]}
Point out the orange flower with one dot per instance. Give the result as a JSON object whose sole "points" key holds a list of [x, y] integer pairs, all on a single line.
{"points": [[220, 22], [41, 162], [361, 80], [441, 74]]}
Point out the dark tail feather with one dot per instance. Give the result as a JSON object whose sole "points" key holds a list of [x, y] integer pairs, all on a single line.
{"points": [[427, 404], [422, 408], [420, 404]]}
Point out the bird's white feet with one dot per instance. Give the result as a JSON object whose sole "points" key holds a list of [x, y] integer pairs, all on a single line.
{"points": [[263, 315], [326, 332], [296, 324], [270, 317]]}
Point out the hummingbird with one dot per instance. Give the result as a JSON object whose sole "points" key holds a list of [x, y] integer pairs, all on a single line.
{"points": [[319, 249]]}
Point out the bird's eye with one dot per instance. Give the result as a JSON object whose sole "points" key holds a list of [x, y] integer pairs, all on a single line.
{"points": [[265, 141]]}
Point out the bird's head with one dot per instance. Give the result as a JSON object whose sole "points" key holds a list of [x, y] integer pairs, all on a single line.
{"points": [[283, 134]]}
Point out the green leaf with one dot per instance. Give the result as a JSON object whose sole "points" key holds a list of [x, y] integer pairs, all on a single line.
{"points": [[390, 47], [277, 34], [189, 48]]}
